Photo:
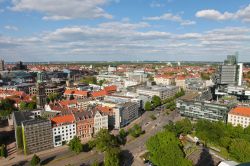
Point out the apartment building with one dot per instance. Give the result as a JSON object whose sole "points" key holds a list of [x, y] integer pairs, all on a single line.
{"points": [[84, 125], [76, 94], [163, 92], [100, 121], [64, 129], [164, 80], [48, 90], [125, 113], [239, 116]]}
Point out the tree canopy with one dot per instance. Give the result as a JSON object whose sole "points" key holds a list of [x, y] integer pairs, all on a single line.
{"points": [[27, 105], [164, 148], [181, 127], [112, 157], [35, 160], [156, 101], [7, 106], [104, 140], [75, 145], [148, 106], [235, 140], [135, 131]]}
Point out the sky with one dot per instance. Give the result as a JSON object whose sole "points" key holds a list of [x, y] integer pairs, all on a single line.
{"points": [[124, 30]]}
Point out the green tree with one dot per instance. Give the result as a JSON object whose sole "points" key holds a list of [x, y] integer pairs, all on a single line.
{"points": [[75, 145], [164, 148], [3, 151], [19, 137], [240, 149], [205, 76], [148, 106], [95, 163], [112, 157], [101, 82], [156, 101], [122, 136], [181, 127], [135, 131], [7, 106], [53, 96], [22, 105], [31, 105], [104, 140], [35, 160]]}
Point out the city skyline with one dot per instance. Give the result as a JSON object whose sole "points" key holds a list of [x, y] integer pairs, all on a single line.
{"points": [[119, 30]]}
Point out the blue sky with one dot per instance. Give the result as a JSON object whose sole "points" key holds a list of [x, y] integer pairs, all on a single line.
{"points": [[86, 30]]}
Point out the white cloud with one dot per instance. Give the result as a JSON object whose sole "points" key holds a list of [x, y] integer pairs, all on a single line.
{"points": [[170, 17], [242, 14], [155, 4], [11, 27], [126, 41], [64, 9]]}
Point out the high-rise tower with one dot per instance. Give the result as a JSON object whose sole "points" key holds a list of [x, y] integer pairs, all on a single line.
{"points": [[1, 65], [230, 73], [40, 95]]}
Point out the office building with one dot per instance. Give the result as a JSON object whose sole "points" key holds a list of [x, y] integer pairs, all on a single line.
{"points": [[125, 113], [163, 92], [37, 132], [209, 110], [230, 73]]}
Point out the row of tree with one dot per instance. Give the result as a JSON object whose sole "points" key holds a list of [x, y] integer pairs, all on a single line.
{"points": [[27, 105], [236, 140], [156, 101], [169, 103], [92, 80]]}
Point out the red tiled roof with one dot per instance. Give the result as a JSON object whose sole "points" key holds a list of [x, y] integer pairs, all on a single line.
{"points": [[56, 107], [99, 93], [63, 119], [241, 111], [164, 76], [110, 88], [180, 78], [104, 109], [80, 92], [69, 92], [65, 103], [75, 92]]}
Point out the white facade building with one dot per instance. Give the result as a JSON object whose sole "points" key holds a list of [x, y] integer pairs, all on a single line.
{"points": [[100, 121], [64, 129], [239, 116]]}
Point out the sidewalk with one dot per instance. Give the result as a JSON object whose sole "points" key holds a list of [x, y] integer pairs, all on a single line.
{"points": [[14, 159]]}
